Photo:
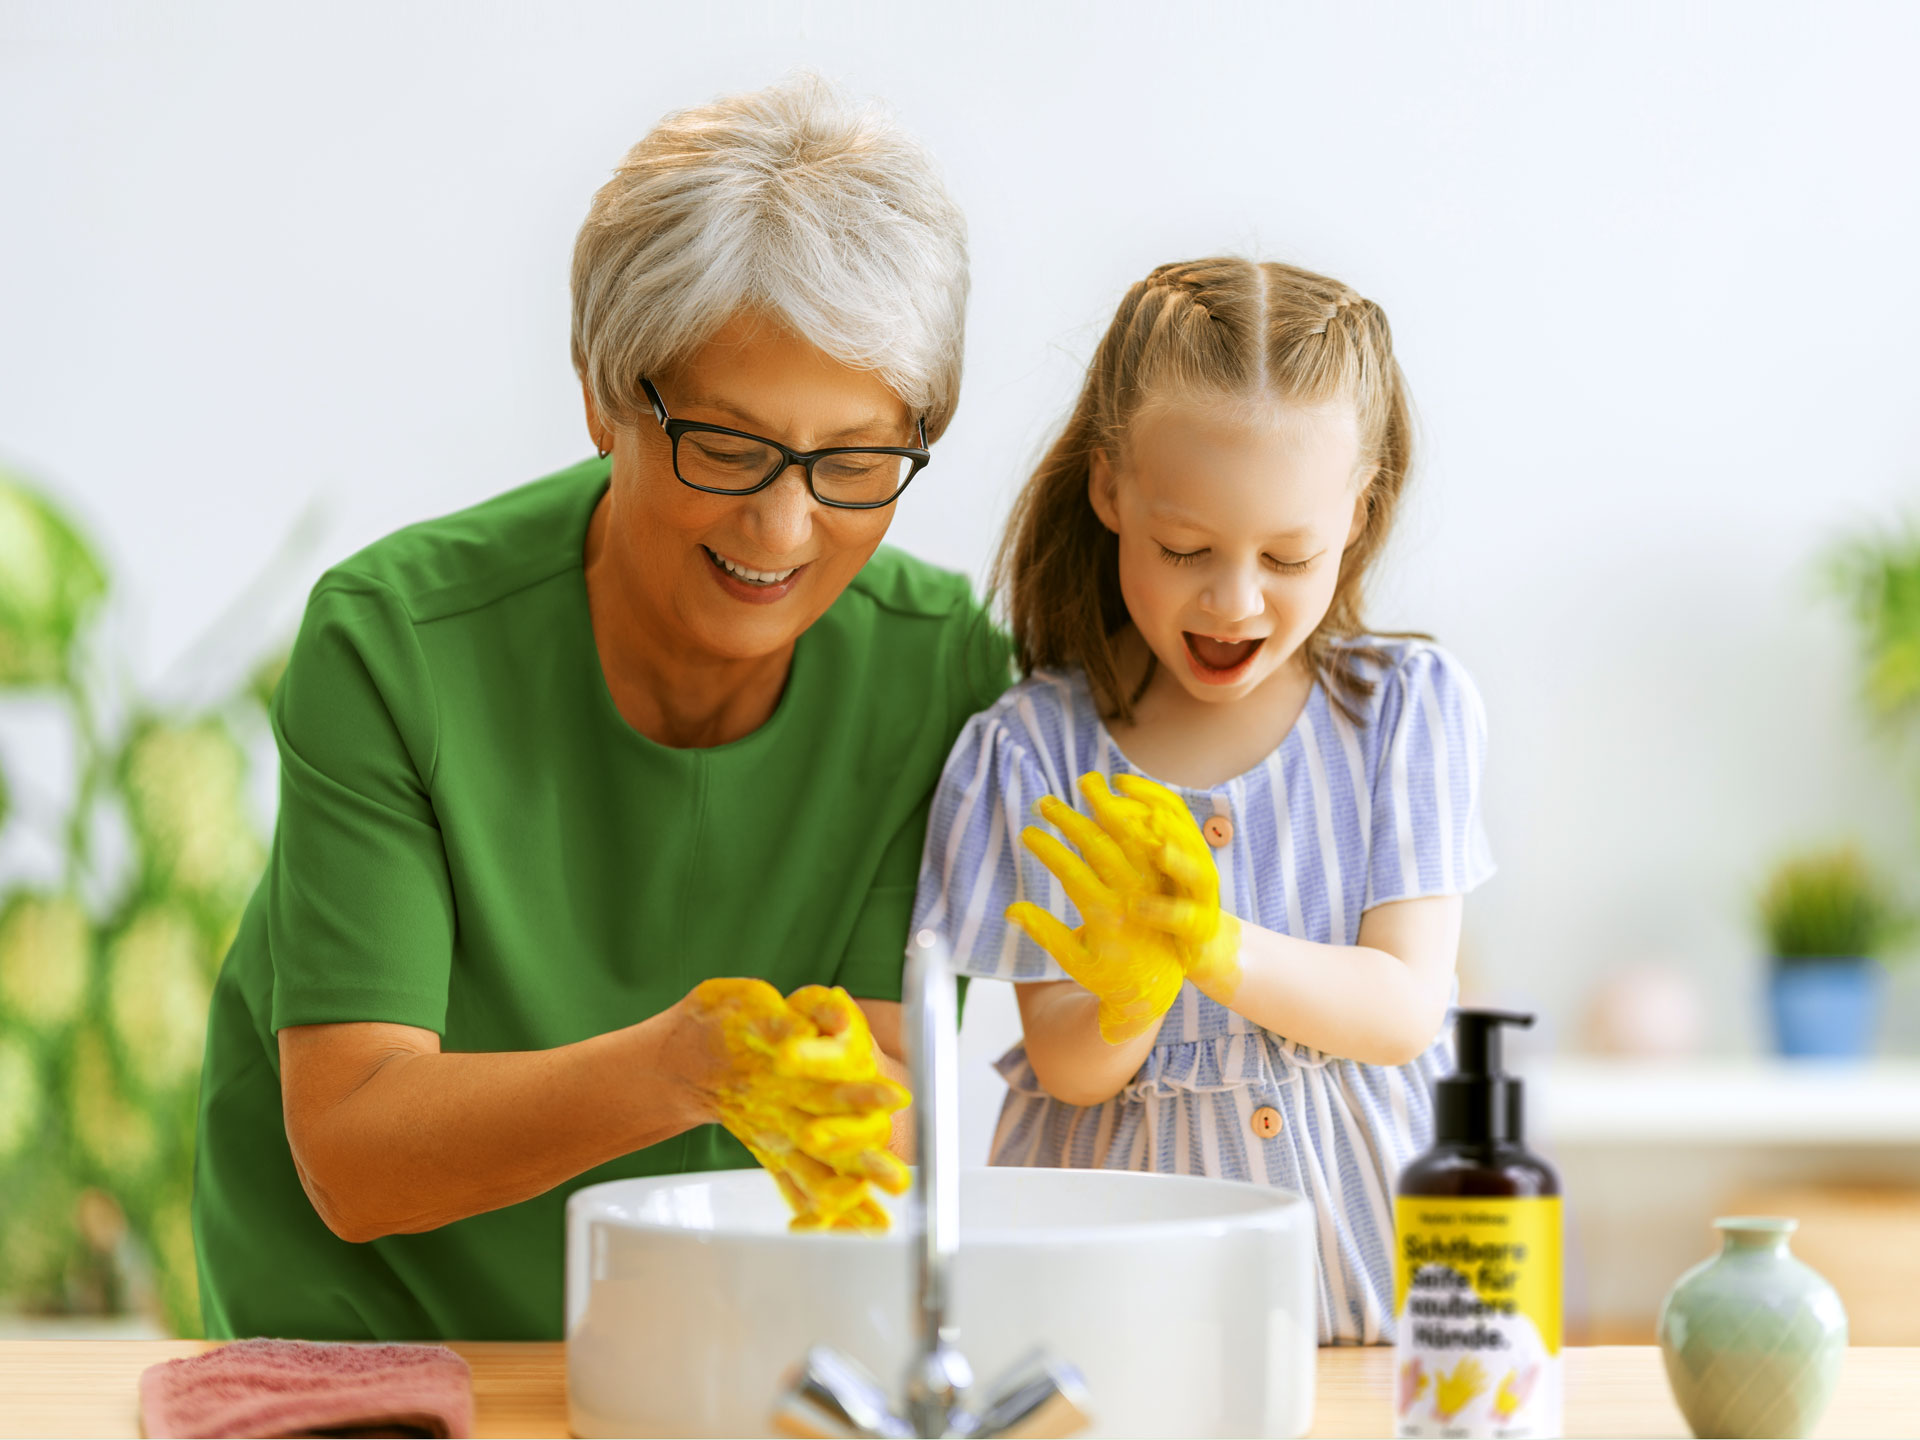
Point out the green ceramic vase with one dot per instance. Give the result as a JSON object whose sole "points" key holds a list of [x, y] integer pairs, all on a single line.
{"points": [[1753, 1339]]}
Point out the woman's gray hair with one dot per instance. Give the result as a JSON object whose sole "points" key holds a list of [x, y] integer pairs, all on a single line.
{"points": [[791, 201]]}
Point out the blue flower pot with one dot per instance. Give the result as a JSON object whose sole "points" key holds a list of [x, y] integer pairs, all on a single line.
{"points": [[1825, 1007]]}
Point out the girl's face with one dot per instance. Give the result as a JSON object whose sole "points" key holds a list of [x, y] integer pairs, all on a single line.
{"points": [[1231, 524]]}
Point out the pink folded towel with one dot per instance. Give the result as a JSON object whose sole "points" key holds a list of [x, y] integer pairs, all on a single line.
{"points": [[305, 1387]]}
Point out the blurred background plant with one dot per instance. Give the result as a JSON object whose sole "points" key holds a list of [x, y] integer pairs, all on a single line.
{"points": [[1828, 921], [106, 970], [1829, 905], [1878, 574]]}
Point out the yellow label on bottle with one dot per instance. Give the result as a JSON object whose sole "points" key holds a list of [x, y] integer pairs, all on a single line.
{"points": [[1477, 1317]]}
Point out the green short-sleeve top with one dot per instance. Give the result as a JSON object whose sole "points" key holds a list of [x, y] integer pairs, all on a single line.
{"points": [[473, 840]]}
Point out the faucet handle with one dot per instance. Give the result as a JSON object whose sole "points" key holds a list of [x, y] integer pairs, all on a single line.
{"points": [[1038, 1397], [937, 1383], [831, 1394]]}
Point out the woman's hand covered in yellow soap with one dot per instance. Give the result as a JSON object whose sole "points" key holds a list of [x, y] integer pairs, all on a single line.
{"points": [[795, 1080], [1149, 902]]}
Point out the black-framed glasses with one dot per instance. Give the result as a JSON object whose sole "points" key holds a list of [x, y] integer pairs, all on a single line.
{"points": [[732, 462]]}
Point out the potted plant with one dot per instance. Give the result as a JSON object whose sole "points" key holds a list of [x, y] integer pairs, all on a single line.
{"points": [[107, 963], [1827, 920]]}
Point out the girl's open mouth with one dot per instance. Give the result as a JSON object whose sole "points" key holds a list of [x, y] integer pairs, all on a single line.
{"points": [[1220, 662]]}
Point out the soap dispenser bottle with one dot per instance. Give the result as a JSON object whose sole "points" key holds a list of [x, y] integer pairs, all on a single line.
{"points": [[1477, 1260]]}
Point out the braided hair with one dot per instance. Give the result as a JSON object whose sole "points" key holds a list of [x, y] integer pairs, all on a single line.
{"points": [[1224, 327]]}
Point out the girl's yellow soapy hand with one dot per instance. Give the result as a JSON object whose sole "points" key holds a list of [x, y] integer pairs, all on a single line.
{"points": [[795, 1081], [1143, 897], [1157, 827]]}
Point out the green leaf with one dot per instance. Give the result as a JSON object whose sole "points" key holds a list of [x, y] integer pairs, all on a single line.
{"points": [[169, 1240], [46, 959], [50, 584], [266, 679], [1828, 905], [184, 786], [1879, 575], [157, 996], [22, 1098], [39, 1241], [117, 1137]]}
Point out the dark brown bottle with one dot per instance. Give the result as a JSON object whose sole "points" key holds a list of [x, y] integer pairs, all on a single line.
{"points": [[1479, 1134], [1477, 1241]]}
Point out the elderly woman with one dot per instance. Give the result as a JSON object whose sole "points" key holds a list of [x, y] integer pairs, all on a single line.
{"points": [[550, 763]]}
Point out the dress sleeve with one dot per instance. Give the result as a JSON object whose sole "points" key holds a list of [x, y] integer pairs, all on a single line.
{"points": [[1428, 838], [974, 865], [360, 919]]}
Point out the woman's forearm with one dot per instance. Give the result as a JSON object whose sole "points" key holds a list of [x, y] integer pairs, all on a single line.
{"points": [[391, 1136], [1073, 1062]]}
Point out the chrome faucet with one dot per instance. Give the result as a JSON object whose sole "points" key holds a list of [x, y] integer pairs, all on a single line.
{"points": [[830, 1394]]}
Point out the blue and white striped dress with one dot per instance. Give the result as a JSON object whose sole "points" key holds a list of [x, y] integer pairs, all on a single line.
{"points": [[1341, 817]]}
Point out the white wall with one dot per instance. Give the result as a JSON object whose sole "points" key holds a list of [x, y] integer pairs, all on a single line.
{"points": [[1651, 272]]}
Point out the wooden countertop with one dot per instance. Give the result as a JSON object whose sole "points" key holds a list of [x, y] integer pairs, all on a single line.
{"points": [[88, 1387]]}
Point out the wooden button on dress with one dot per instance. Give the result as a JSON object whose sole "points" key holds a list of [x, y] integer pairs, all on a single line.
{"points": [[1266, 1122], [1219, 831]]}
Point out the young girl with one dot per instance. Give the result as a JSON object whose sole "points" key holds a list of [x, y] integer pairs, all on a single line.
{"points": [[1240, 964]]}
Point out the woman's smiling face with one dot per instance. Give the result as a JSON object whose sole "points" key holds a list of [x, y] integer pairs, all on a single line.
{"points": [[1231, 520], [741, 577]]}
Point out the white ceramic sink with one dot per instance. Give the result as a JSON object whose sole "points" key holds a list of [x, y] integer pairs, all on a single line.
{"points": [[1187, 1304]]}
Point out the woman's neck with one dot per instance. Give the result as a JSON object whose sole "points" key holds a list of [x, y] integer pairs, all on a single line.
{"points": [[671, 691], [1199, 744]]}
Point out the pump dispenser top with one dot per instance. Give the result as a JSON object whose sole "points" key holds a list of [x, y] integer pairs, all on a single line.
{"points": [[1479, 1103]]}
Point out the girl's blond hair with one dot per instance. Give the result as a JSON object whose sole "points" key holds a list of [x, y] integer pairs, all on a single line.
{"points": [[1227, 328]]}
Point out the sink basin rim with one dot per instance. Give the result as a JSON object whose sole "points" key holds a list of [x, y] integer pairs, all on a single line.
{"points": [[1282, 1207]]}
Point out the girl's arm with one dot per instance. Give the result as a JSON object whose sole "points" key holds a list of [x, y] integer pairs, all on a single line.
{"points": [[1380, 1002], [1073, 1063]]}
